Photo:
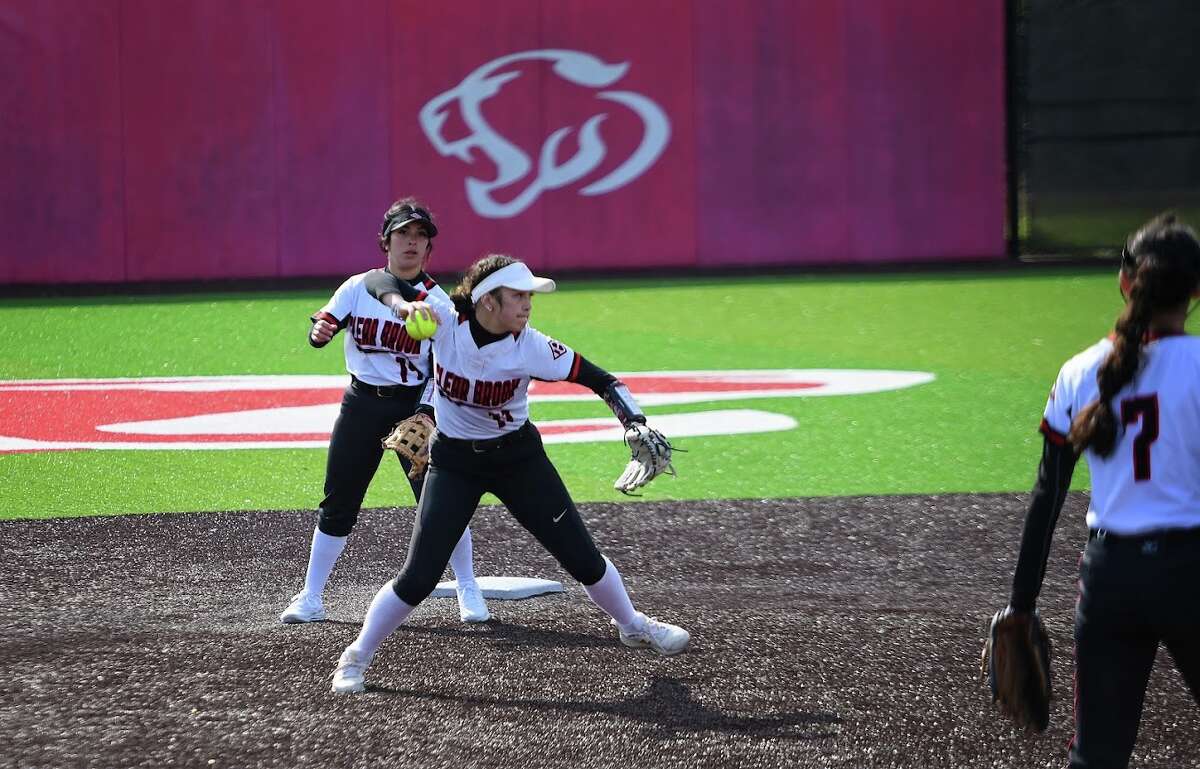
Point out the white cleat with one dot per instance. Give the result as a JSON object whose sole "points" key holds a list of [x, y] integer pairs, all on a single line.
{"points": [[663, 637], [303, 609], [349, 673], [471, 606]]}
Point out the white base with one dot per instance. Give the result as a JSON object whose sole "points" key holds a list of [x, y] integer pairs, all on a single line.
{"points": [[503, 588]]}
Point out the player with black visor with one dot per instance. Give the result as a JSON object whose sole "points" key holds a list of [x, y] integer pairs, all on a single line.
{"points": [[391, 378]]}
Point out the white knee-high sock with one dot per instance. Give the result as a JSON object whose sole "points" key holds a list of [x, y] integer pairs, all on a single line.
{"points": [[386, 613], [610, 594], [321, 558], [462, 560]]}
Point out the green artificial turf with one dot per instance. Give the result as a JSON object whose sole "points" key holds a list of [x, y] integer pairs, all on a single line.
{"points": [[995, 342]]}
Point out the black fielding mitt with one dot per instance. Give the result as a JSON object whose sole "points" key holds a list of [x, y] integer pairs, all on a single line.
{"points": [[1016, 663]]}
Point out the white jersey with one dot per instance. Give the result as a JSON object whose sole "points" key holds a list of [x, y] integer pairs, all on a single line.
{"points": [[1151, 480], [378, 349], [483, 392]]}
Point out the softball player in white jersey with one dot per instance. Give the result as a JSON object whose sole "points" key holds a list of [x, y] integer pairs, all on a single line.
{"points": [[390, 378], [1131, 405], [485, 355]]}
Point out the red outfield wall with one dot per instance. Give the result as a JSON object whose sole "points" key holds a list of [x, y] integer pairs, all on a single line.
{"points": [[168, 139]]}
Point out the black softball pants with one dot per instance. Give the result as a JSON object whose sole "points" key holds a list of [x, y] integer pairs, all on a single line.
{"points": [[1133, 594], [515, 469], [367, 415]]}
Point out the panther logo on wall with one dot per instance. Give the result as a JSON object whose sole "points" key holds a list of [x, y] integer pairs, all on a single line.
{"points": [[514, 168]]}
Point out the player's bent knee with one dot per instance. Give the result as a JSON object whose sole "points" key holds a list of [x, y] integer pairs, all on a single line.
{"points": [[412, 589], [336, 524], [587, 571]]}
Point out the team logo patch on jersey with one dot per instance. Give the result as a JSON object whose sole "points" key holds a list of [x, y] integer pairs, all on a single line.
{"points": [[557, 349], [245, 412]]}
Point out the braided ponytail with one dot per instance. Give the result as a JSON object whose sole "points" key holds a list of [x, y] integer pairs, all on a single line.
{"points": [[1096, 424], [1163, 262]]}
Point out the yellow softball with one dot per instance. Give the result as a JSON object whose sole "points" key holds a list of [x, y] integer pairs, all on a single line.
{"points": [[418, 327]]}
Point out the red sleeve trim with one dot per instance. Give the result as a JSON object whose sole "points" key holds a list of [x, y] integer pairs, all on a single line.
{"points": [[316, 316], [1052, 435], [574, 375], [325, 317]]}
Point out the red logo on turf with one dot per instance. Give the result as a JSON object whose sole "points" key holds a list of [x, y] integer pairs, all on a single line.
{"points": [[242, 412]]}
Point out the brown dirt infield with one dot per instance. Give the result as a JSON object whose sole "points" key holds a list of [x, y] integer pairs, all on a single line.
{"points": [[836, 632]]}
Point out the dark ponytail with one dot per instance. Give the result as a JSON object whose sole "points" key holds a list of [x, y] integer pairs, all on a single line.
{"points": [[473, 277], [1162, 261]]}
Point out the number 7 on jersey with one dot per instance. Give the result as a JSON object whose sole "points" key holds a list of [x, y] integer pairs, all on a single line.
{"points": [[1145, 408]]}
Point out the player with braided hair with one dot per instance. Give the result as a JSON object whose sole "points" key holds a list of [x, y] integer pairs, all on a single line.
{"points": [[1131, 405], [390, 382], [485, 355]]}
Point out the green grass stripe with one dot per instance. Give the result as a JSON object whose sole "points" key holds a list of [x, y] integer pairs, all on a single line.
{"points": [[995, 342]]}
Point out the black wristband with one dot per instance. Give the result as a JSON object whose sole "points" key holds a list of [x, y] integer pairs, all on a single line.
{"points": [[621, 401]]}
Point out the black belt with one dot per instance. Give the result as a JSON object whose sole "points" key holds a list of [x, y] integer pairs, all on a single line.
{"points": [[487, 444], [1150, 541], [380, 391]]}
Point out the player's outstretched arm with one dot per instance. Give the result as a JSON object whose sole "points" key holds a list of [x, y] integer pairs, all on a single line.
{"points": [[650, 451], [379, 283], [403, 297]]}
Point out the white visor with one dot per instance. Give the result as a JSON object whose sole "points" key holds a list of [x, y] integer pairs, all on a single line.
{"points": [[515, 276]]}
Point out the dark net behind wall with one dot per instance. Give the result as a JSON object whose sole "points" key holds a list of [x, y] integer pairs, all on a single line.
{"points": [[1106, 108]]}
